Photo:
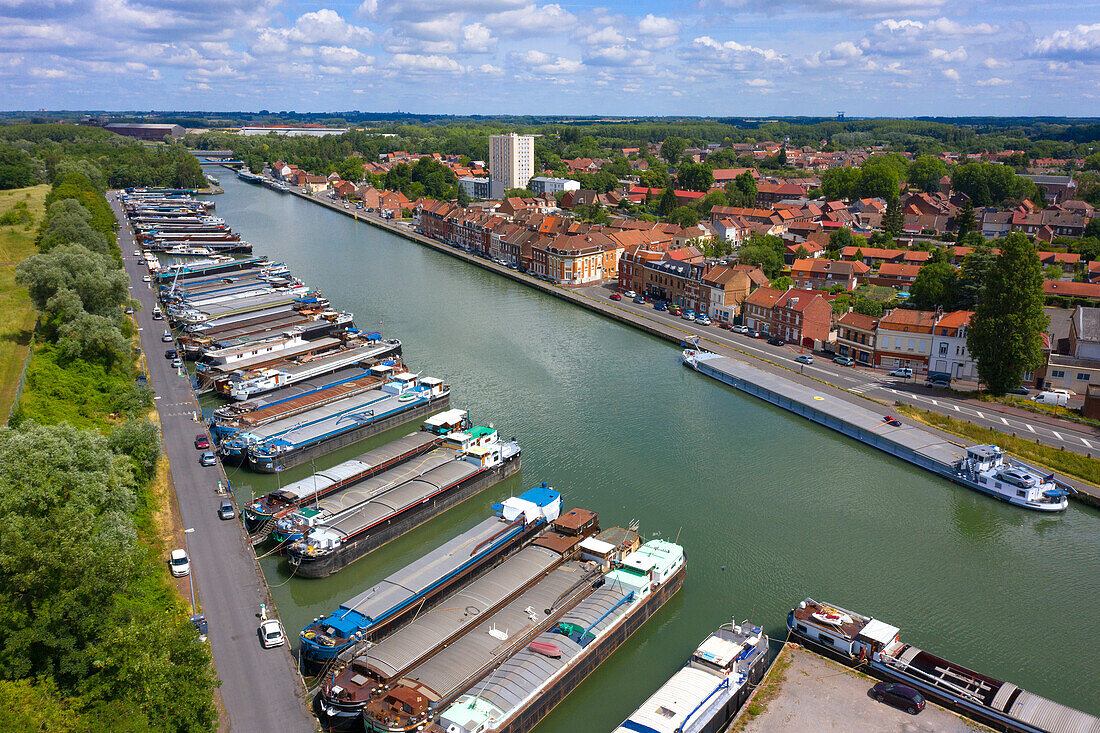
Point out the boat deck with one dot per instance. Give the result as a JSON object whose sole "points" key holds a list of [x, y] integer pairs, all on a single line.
{"points": [[320, 344], [290, 392], [409, 582], [352, 355], [298, 405], [450, 672], [407, 646]]}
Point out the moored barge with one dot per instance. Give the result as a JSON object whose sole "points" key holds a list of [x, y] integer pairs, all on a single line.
{"points": [[413, 589], [856, 639], [477, 461]]}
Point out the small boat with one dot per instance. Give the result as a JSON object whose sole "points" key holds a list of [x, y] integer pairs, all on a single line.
{"points": [[546, 649], [832, 617]]}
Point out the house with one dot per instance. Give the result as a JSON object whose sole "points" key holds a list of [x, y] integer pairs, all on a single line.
{"points": [[797, 316], [677, 282], [772, 193], [732, 228], [1067, 261], [728, 287], [1079, 370], [722, 176], [904, 339], [995, 223], [817, 274], [872, 255], [313, 184], [1063, 289], [578, 197], [895, 275], [949, 353], [856, 337], [344, 189], [1055, 188], [576, 259]]}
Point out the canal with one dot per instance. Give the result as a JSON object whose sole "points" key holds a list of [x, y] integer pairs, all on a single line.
{"points": [[770, 508]]}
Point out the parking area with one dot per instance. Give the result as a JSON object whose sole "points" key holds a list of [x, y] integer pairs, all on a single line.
{"points": [[812, 693]]}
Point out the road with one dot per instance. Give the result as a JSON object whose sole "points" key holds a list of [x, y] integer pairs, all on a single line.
{"points": [[877, 384], [260, 688]]}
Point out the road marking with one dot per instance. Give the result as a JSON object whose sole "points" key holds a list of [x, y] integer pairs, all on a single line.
{"points": [[933, 401], [956, 408], [1004, 421], [1028, 426], [1087, 444], [979, 414], [1056, 434]]}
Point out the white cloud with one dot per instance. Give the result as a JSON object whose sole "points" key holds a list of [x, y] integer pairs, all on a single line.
{"points": [[408, 62], [477, 38], [1080, 44], [544, 63], [992, 63], [326, 26], [606, 36], [948, 27], [993, 82], [490, 70], [758, 82], [653, 25], [531, 20], [951, 74], [733, 48], [940, 54]]}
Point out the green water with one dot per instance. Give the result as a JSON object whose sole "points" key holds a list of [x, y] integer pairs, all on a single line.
{"points": [[770, 508]]}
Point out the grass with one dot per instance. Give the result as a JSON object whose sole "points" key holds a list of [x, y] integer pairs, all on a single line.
{"points": [[17, 315], [766, 691], [1064, 462]]}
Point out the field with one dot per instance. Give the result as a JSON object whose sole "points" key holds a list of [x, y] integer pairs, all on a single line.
{"points": [[17, 315]]}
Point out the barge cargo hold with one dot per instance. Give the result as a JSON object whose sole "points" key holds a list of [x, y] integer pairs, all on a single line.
{"points": [[853, 638], [475, 464], [288, 442], [986, 469], [321, 485], [510, 676], [411, 591], [709, 690]]}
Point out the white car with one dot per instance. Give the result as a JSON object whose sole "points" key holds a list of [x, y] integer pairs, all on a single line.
{"points": [[271, 634], [703, 321], [166, 337], [630, 294], [179, 564], [146, 279], [137, 253]]}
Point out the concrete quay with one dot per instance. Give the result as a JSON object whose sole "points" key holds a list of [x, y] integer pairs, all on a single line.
{"points": [[261, 690]]}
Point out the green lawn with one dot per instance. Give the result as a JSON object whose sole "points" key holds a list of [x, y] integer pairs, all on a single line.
{"points": [[17, 315]]}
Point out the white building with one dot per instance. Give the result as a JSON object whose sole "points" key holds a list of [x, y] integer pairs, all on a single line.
{"points": [[543, 184], [292, 131], [512, 159], [482, 188], [949, 353]]}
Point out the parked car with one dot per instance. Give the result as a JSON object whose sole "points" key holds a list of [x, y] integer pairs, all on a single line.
{"points": [[1020, 390], [129, 311], [629, 294], [137, 253], [616, 296], [166, 336], [939, 383], [639, 299], [899, 695], [688, 315], [271, 634], [177, 363], [904, 372], [208, 459], [891, 421], [756, 334], [660, 306], [805, 358], [146, 279], [740, 329], [702, 320], [724, 325], [169, 353], [1016, 477], [227, 510], [202, 442], [179, 564], [158, 314], [674, 311], [844, 360], [1051, 398], [776, 341]]}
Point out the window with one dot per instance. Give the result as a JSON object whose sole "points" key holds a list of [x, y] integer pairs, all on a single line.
{"points": [[1057, 373], [1082, 376], [1021, 493], [910, 344], [943, 349]]}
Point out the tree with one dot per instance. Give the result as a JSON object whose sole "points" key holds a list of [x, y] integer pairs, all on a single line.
{"points": [[667, 203], [840, 183], [766, 252], [974, 271], [934, 286], [925, 173], [1006, 331], [461, 197], [672, 148], [783, 282], [742, 190], [95, 278], [878, 178], [708, 202], [16, 169], [893, 220], [685, 216], [991, 183], [838, 240], [868, 307], [964, 220], [695, 177], [1092, 229]]}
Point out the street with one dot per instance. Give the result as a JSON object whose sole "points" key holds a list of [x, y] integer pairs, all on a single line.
{"points": [[260, 688]]}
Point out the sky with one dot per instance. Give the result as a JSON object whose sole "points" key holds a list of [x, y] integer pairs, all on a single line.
{"points": [[626, 57]]}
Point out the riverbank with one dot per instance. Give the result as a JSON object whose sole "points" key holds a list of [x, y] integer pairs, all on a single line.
{"points": [[24, 209]]}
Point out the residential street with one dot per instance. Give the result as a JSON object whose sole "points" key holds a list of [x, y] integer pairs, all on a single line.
{"points": [[260, 688]]}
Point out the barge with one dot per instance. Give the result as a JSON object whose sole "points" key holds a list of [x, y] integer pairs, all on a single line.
{"points": [[288, 442], [517, 666], [708, 691], [342, 697], [856, 639], [985, 468], [468, 463], [313, 489], [411, 591]]}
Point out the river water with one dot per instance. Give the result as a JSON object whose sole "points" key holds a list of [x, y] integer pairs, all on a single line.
{"points": [[770, 508]]}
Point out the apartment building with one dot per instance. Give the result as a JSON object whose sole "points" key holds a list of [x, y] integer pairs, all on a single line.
{"points": [[512, 159]]}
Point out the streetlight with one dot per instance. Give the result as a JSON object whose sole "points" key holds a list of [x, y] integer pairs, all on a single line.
{"points": [[190, 575]]}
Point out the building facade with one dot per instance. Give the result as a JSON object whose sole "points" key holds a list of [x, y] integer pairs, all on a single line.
{"points": [[512, 159], [544, 185], [856, 337], [482, 189], [904, 339]]}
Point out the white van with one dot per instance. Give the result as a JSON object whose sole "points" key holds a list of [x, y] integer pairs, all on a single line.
{"points": [[1051, 398]]}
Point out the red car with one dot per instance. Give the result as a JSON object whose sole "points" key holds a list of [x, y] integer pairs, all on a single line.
{"points": [[616, 296], [202, 442]]}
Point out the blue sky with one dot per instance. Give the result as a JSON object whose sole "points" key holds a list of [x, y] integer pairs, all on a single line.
{"points": [[629, 57]]}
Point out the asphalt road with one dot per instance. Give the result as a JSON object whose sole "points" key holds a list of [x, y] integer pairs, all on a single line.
{"points": [[260, 688], [877, 384]]}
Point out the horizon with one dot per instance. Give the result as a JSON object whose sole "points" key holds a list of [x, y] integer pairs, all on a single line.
{"points": [[712, 58]]}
